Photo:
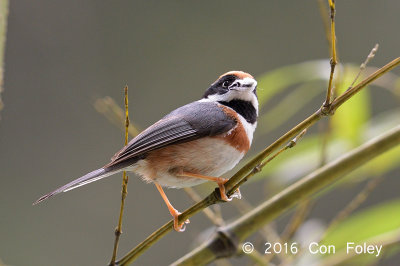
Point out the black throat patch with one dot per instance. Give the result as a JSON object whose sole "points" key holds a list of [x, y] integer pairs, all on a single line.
{"points": [[244, 108]]}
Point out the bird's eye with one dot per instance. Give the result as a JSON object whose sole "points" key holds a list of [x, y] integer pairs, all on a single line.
{"points": [[225, 84]]}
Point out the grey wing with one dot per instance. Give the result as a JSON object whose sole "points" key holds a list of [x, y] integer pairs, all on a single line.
{"points": [[187, 123]]}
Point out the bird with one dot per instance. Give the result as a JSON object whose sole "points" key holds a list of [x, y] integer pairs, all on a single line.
{"points": [[194, 143]]}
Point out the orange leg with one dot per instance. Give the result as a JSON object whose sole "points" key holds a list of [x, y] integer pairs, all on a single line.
{"points": [[172, 210], [219, 180]]}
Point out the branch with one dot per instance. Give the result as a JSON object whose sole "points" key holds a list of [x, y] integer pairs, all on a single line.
{"points": [[333, 53], [237, 231], [124, 192], [363, 66], [246, 170]]}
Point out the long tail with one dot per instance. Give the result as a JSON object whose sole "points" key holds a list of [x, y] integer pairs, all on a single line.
{"points": [[86, 179]]}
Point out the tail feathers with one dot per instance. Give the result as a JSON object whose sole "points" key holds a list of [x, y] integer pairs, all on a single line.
{"points": [[86, 179]]}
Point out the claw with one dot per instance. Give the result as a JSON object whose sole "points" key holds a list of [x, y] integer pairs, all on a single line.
{"points": [[222, 190], [236, 194], [179, 227]]}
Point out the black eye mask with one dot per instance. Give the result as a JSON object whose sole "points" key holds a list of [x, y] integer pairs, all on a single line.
{"points": [[220, 86]]}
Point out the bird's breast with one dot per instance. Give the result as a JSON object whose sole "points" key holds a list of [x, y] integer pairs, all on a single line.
{"points": [[210, 156]]}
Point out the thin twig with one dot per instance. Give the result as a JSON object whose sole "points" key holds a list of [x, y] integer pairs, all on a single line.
{"points": [[350, 93], [124, 192], [213, 197], [333, 61], [364, 65], [323, 10]]}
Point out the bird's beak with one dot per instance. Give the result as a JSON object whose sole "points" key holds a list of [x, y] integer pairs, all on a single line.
{"points": [[246, 84]]}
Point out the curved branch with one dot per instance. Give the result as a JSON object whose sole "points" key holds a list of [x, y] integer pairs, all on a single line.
{"points": [[246, 225]]}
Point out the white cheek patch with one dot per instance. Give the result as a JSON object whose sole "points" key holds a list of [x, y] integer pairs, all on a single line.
{"points": [[246, 94]]}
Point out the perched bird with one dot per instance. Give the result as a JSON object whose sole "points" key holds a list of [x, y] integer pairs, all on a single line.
{"points": [[195, 143]]}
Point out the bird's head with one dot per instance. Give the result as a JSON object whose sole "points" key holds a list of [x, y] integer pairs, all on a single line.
{"points": [[233, 86]]}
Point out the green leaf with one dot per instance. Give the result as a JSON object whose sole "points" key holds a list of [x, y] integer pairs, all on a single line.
{"points": [[385, 162], [288, 106], [376, 220], [276, 80], [304, 158], [351, 116], [374, 225]]}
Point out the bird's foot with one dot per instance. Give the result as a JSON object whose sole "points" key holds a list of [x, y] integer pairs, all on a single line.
{"points": [[178, 227], [221, 184]]}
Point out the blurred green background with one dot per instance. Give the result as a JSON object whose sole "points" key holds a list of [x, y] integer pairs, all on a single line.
{"points": [[63, 55]]}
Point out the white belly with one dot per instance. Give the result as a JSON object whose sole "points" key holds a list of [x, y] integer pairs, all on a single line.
{"points": [[207, 156]]}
